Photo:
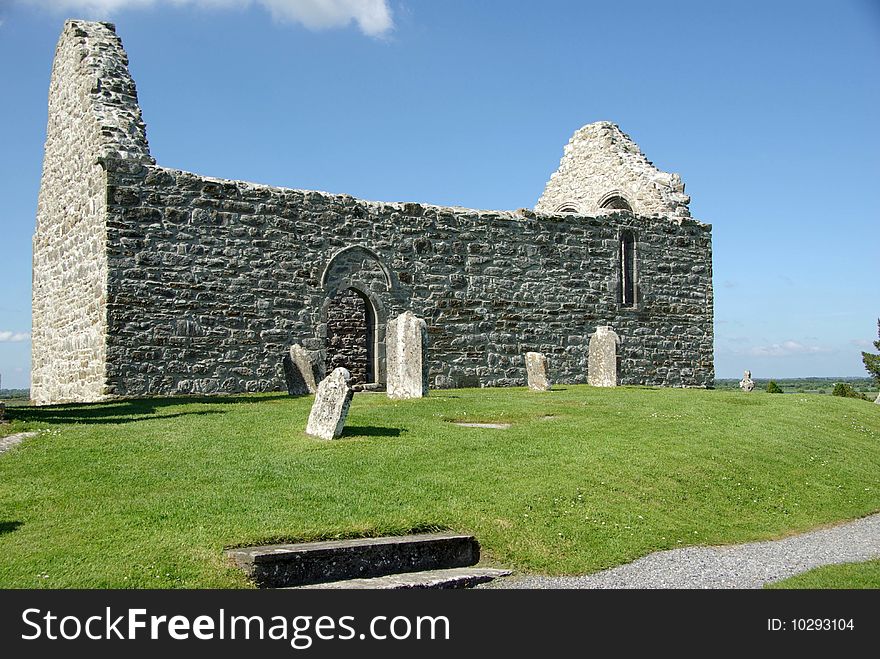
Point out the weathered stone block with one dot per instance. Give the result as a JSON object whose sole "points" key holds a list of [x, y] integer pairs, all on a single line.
{"points": [[536, 371], [327, 418], [602, 364], [406, 340], [301, 372]]}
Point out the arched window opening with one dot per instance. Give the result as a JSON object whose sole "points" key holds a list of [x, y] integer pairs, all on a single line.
{"points": [[627, 269], [351, 335], [616, 202]]}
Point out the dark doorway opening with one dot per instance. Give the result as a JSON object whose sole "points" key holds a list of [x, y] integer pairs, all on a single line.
{"points": [[351, 335]]}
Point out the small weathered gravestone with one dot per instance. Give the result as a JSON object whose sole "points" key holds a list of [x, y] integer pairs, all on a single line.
{"points": [[327, 418], [878, 398], [602, 363], [747, 384], [536, 371], [299, 371], [406, 353]]}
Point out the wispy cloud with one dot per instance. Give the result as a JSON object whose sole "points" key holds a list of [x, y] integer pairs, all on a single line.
{"points": [[13, 337], [373, 17], [861, 343], [785, 349]]}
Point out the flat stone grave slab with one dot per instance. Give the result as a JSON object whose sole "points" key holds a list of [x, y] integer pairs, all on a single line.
{"points": [[300, 564]]}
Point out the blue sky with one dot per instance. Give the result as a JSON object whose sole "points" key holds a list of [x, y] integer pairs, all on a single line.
{"points": [[768, 110]]}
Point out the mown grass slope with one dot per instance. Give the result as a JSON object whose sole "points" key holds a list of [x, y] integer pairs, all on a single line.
{"points": [[147, 493]]}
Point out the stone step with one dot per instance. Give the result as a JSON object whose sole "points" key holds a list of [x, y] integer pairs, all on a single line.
{"points": [[279, 566], [457, 577]]}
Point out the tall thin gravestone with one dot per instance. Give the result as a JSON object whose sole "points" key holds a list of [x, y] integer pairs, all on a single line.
{"points": [[536, 371], [332, 400], [602, 362], [406, 353]]}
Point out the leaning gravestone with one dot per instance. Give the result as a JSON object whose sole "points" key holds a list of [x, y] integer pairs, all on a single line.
{"points": [[536, 371], [878, 398], [406, 353], [747, 384], [299, 371], [602, 364], [327, 418]]}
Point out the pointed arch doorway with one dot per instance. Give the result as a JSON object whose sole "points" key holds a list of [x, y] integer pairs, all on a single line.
{"points": [[352, 335]]}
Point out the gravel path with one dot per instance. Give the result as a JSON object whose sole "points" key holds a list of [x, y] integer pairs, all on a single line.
{"points": [[8, 442], [733, 566]]}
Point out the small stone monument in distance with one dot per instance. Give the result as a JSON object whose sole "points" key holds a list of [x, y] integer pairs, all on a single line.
{"points": [[602, 363], [747, 384], [536, 371], [327, 418]]}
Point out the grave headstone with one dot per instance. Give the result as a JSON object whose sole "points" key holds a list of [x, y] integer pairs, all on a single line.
{"points": [[536, 371], [602, 363], [406, 353], [300, 371], [332, 400], [747, 384]]}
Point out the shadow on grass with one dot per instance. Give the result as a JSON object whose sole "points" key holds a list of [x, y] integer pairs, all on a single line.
{"points": [[8, 527], [126, 411], [371, 431]]}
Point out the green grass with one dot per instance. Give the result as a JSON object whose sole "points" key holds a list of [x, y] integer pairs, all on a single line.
{"points": [[848, 575], [147, 493]]}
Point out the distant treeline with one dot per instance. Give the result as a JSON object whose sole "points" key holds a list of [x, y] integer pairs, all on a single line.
{"points": [[803, 385], [11, 394]]}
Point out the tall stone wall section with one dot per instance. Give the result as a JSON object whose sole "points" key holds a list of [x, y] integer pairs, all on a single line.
{"points": [[93, 114], [211, 280], [601, 161]]}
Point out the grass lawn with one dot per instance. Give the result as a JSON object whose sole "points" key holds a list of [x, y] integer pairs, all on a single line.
{"points": [[147, 493], [848, 575]]}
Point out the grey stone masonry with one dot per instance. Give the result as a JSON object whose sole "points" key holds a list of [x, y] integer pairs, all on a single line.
{"points": [[407, 353], [93, 115], [536, 371], [603, 357], [600, 166], [300, 371], [330, 409], [154, 281]]}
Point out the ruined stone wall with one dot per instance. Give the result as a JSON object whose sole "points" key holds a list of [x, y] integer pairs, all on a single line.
{"points": [[210, 281], [153, 281], [600, 161], [93, 114]]}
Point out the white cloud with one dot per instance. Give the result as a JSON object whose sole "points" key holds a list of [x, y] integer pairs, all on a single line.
{"points": [[373, 17], [13, 337], [785, 349], [861, 343]]}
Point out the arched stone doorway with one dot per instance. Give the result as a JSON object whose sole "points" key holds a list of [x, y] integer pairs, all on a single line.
{"points": [[352, 334]]}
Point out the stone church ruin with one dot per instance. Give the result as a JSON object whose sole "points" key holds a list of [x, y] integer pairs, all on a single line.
{"points": [[154, 281]]}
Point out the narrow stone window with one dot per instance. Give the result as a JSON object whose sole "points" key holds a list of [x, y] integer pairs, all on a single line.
{"points": [[616, 202], [627, 269]]}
